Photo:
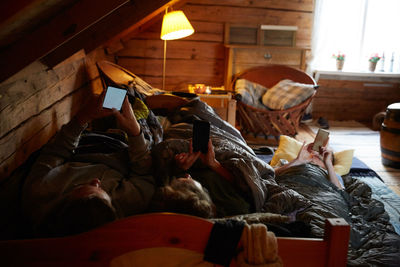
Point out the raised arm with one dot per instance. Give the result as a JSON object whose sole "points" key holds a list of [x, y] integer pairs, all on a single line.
{"points": [[210, 160], [302, 157], [139, 147], [185, 160], [136, 191], [327, 155]]}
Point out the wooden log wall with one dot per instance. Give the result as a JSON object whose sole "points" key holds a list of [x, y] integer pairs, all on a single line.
{"points": [[200, 57], [37, 101], [357, 98]]}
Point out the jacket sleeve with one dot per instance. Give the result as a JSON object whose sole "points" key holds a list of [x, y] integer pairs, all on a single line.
{"points": [[139, 154], [59, 150], [133, 195]]}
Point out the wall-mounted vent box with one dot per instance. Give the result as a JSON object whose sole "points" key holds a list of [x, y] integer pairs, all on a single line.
{"points": [[277, 35], [245, 35], [265, 35]]}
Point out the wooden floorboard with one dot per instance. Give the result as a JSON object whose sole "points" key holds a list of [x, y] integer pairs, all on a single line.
{"points": [[347, 135]]}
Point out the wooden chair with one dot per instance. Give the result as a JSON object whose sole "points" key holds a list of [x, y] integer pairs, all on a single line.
{"points": [[271, 122]]}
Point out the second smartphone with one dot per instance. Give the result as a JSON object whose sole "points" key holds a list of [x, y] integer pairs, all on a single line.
{"points": [[201, 135]]}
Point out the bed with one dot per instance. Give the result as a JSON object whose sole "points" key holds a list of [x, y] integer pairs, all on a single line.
{"points": [[368, 227]]}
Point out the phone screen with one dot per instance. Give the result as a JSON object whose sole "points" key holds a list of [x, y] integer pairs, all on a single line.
{"points": [[201, 135], [114, 98], [320, 140]]}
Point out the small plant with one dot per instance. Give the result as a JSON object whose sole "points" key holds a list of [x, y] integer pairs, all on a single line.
{"points": [[374, 58], [339, 56]]}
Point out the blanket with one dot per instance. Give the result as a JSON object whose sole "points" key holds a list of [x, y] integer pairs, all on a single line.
{"points": [[303, 192], [297, 193], [254, 177], [373, 240]]}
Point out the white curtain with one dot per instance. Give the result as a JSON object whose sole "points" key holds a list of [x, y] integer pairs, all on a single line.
{"points": [[359, 29]]}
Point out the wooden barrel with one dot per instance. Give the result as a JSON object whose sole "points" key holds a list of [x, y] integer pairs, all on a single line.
{"points": [[390, 136]]}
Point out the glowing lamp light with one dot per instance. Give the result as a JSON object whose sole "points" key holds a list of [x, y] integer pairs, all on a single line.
{"points": [[175, 25]]}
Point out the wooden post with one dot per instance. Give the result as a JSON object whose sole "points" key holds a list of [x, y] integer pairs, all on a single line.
{"points": [[337, 233]]}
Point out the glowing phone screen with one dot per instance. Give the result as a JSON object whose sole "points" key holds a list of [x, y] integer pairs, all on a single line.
{"points": [[114, 98]]}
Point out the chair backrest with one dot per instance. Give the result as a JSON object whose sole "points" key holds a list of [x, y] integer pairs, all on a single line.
{"points": [[269, 75]]}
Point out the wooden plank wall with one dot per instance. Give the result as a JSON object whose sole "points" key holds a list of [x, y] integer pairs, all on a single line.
{"points": [[342, 98], [37, 101], [200, 57]]}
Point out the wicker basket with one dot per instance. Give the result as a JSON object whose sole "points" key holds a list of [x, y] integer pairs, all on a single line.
{"points": [[271, 122]]}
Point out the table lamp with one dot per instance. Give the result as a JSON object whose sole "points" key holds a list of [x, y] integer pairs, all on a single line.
{"points": [[175, 25]]}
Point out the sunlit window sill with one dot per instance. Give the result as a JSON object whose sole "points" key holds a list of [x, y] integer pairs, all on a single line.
{"points": [[335, 74]]}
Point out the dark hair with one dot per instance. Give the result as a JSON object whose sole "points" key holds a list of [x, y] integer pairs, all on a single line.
{"points": [[77, 215], [182, 197]]}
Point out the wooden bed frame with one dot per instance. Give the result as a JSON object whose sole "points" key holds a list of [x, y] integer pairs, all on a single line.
{"points": [[99, 246]]}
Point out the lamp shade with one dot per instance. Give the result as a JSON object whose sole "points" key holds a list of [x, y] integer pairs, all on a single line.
{"points": [[175, 25]]}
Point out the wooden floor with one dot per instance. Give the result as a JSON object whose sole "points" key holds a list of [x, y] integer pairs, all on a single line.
{"points": [[349, 135]]}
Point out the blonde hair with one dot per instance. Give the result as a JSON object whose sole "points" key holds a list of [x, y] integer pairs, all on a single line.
{"points": [[182, 197]]}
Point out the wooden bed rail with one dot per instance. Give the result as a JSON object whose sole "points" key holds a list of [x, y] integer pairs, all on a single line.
{"points": [[330, 251], [99, 246]]}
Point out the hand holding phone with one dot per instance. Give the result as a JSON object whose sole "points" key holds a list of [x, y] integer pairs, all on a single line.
{"points": [[321, 139], [114, 98], [201, 135]]}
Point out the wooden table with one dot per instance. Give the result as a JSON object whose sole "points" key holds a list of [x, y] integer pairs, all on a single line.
{"points": [[223, 105]]}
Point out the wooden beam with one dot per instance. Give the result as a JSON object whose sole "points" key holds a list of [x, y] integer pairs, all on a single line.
{"points": [[300, 5], [127, 16], [145, 24], [59, 30], [10, 9], [149, 20]]}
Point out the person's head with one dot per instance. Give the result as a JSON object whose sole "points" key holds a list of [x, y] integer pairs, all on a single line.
{"points": [[184, 195], [86, 207]]}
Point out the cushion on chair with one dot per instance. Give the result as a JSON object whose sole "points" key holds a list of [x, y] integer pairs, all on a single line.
{"points": [[289, 148], [250, 93], [287, 94]]}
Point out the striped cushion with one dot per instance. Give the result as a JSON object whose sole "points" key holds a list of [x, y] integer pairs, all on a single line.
{"points": [[287, 94], [250, 93]]}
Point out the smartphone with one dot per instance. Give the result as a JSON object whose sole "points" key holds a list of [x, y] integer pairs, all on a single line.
{"points": [[114, 97], [201, 135], [320, 140]]}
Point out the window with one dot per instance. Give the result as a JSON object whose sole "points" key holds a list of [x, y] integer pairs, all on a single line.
{"points": [[359, 29]]}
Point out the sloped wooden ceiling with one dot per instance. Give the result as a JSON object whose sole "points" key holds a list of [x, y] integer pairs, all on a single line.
{"points": [[52, 30]]}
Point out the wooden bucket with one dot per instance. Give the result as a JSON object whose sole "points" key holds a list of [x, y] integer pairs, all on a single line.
{"points": [[390, 136]]}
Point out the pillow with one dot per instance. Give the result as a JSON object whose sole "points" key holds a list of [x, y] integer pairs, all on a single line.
{"points": [[250, 93], [286, 94], [289, 148], [343, 160]]}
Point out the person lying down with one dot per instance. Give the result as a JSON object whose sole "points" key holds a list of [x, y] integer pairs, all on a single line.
{"points": [[68, 192], [242, 184], [208, 189], [236, 180], [322, 158]]}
